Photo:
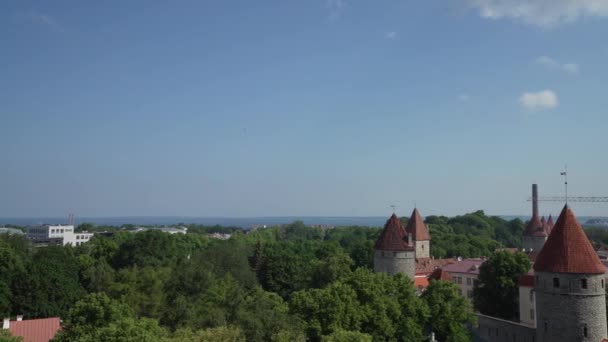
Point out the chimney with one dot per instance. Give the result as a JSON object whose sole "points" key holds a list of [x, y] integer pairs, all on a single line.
{"points": [[534, 200], [7, 323], [19, 318], [409, 239]]}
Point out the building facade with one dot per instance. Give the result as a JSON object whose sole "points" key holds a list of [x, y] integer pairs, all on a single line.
{"points": [[57, 235], [465, 273], [527, 300]]}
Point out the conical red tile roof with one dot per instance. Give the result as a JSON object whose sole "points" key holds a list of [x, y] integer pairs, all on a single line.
{"points": [[549, 225], [416, 227], [535, 228], [393, 237], [568, 250]]}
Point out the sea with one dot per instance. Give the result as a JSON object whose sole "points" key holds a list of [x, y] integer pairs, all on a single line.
{"points": [[243, 222]]}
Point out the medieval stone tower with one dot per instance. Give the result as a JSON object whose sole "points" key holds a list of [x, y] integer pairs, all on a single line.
{"points": [[394, 251], [569, 285], [420, 235], [535, 234]]}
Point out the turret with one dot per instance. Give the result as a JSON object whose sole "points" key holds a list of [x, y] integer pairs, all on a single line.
{"points": [[535, 235], [569, 285], [420, 234], [394, 251]]}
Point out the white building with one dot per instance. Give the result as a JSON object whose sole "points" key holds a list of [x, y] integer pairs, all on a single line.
{"points": [[170, 230], [57, 234]]}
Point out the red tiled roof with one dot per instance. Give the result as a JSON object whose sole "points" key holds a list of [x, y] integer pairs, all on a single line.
{"points": [[526, 280], [568, 250], [470, 266], [35, 330], [535, 228], [426, 266], [393, 236], [421, 282], [416, 227], [440, 274]]}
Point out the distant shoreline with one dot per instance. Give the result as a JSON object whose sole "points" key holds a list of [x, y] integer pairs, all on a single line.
{"points": [[243, 222]]}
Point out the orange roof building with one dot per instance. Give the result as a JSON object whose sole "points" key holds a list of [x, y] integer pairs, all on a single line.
{"points": [[34, 330]]}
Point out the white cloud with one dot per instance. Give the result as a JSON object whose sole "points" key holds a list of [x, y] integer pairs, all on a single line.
{"points": [[335, 8], [539, 100], [464, 97], [571, 68], [390, 35], [46, 20], [543, 13]]}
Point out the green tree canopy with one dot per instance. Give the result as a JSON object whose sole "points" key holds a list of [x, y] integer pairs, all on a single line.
{"points": [[496, 291], [449, 312]]}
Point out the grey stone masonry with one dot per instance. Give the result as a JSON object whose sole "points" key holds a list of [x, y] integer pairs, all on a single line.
{"points": [[533, 243], [492, 329], [570, 307], [393, 262], [423, 249]]}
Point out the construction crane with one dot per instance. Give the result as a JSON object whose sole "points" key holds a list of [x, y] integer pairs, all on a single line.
{"points": [[566, 198], [571, 199]]}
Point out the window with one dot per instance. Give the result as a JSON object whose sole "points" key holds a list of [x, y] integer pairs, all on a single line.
{"points": [[469, 293], [585, 331], [555, 282], [382, 253], [583, 283], [475, 281], [460, 290], [531, 313], [422, 247], [546, 327], [468, 281], [394, 254], [531, 295], [459, 280], [602, 283], [77, 237]]}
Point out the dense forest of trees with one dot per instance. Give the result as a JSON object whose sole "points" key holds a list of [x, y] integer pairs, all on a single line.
{"points": [[289, 283]]}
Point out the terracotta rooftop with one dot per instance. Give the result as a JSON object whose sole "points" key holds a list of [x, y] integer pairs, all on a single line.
{"points": [[440, 274], [393, 237], [568, 250], [416, 227], [35, 330], [426, 266], [470, 266], [535, 228], [421, 282]]}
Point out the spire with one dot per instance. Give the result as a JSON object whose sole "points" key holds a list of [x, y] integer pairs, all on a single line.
{"points": [[393, 236], [549, 225], [416, 227], [568, 250], [535, 228]]}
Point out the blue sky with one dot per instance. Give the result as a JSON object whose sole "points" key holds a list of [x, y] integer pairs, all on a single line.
{"points": [[317, 107]]}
